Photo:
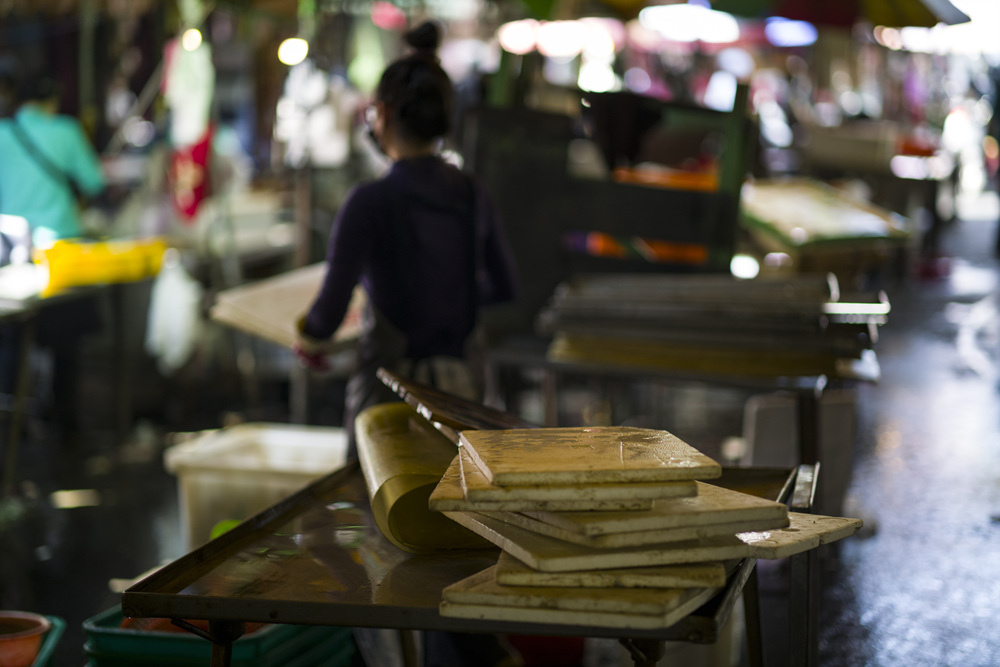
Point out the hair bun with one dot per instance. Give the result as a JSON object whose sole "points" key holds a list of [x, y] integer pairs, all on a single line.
{"points": [[425, 38]]}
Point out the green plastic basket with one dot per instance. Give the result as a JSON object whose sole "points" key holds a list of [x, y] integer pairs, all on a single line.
{"points": [[279, 645], [49, 643]]}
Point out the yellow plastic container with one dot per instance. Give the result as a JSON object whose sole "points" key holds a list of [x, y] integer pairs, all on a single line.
{"points": [[73, 263]]}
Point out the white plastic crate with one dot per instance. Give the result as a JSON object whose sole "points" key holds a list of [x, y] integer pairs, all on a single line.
{"points": [[235, 472], [771, 433]]}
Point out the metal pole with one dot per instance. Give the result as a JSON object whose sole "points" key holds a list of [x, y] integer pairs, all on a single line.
{"points": [[303, 214], [550, 397], [88, 24]]}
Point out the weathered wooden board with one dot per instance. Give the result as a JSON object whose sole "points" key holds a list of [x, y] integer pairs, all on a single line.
{"points": [[448, 495], [644, 354], [270, 308], [586, 455], [476, 486], [512, 572], [552, 555], [483, 589], [712, 505], [805, 531], [642, 537], [481, 597]]}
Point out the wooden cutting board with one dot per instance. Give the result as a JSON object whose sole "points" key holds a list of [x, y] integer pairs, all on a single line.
{"points": [[483, 589], [449, 495], [540, 552], [622, 352], [711, 505], [512, 572], [642, 537], [804, 532], [479, 596], [476, 486], [270, 308], [585, 455], [549, 554]]}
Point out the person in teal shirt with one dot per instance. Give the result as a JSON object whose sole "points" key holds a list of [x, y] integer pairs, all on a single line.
{"points": [[43, 157], [46, 162]]}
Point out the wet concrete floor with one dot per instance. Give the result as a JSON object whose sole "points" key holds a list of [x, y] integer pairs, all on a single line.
{"points": [[916, 587], [921, 589]]}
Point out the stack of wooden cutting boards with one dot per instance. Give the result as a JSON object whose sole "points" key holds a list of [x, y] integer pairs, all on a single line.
{"points": [[608, 526], [716, 324]]}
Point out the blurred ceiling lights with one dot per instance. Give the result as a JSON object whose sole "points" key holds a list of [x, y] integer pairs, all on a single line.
{"points": [[560, 39], [293, 51], [518, 37], [691, 23], [191, 39], [784, 32]]}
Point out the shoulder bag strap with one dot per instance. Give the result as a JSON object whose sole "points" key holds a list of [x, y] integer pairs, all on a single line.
{"points": [[54, 172]]}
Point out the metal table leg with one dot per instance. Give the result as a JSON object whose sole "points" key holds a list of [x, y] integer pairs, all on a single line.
{"points": [[808, 407], [222, 634], [121, 362], [26, 342], [408, 644], [803, 611], [751, 612], [644, 652]]}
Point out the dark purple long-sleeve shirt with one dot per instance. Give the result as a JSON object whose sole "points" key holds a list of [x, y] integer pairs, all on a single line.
{"points": [[428, 249]]}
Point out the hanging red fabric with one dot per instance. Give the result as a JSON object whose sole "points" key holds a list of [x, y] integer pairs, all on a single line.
{"points": [[189, 176]]}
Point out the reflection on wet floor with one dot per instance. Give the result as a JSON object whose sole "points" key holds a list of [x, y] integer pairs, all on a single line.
{"points": [[920, 590], [916, 587]]}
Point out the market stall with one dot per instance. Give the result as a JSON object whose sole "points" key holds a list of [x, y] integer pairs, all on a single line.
{"points": [[324, 556]]}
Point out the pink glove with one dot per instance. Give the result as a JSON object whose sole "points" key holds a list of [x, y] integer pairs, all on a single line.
{"points": [[311, 351], [314, 361]]}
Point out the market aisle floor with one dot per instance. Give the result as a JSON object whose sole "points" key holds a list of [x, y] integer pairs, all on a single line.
{"points": [[923, 590], [917, 587]]}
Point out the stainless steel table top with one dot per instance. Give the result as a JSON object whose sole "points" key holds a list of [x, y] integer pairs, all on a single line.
{"points": [[318, 558]]}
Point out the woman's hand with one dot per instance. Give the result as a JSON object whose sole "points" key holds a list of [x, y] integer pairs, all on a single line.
{"points": [[311, 352]]}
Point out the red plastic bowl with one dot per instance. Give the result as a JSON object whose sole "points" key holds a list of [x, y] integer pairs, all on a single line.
{"points": [[21, 636]]}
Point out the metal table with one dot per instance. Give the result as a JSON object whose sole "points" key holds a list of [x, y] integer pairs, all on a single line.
{"points": [[317, 558]]}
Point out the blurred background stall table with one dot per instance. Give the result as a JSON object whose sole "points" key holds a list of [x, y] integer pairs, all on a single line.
{"points": [[89, 275], [805, 226], [910, 172], [799, 336]]}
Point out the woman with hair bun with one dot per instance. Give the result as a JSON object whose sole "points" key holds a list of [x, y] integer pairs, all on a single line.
{"points": [[424, 241]]}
